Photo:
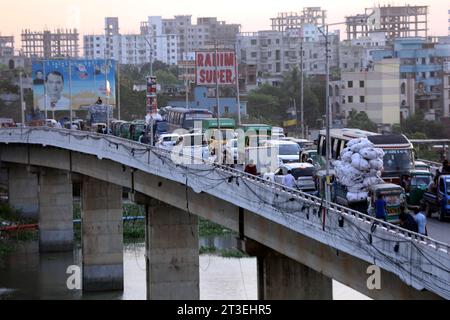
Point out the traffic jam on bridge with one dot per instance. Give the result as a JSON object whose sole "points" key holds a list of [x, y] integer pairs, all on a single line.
{"points": [[225, 139]]}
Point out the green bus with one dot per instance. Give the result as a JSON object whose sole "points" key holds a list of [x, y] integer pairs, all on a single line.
{"points": [[225, 123]]}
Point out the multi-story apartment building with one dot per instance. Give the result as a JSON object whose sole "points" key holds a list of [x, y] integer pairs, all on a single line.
{"points": [[423, 61], [375, 90], [192, 37], [275, 53], [150, 44]]}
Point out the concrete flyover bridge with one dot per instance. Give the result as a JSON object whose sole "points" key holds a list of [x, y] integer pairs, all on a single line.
{"points": [[301, 242]]}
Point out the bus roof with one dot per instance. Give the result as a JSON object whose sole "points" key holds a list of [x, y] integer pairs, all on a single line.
{"points": [[184, 110], [377, 139], [225, 123], [256, 127]]}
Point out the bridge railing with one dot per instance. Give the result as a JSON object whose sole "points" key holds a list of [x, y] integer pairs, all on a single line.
{"points": [[305, 197], [289, 207]]}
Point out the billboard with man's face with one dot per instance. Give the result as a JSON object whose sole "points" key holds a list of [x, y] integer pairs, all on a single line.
{"points": [[59, 83]]}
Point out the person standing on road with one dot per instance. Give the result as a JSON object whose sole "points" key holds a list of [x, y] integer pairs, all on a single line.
{"points": [[289, 180], [380, 208], [421, 220]]}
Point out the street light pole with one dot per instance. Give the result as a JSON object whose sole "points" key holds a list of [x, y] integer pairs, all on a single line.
{"points": [[301, 90]]}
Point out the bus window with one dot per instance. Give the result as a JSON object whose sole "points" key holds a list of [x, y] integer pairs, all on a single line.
{"points": [[334, 143], [340, 147]]}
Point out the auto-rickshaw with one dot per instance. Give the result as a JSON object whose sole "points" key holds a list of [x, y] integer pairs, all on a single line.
{"points": [[418, 185], [137, 128], [395, 198]]}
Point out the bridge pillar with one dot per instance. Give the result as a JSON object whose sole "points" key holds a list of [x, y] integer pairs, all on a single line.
{"points": [[172, 256], [55, 211], [102, 236], [23, 190], [281, 278]]}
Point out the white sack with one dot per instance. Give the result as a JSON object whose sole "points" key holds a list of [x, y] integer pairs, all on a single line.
{"points": [[376, 164], [369, 153], [357, 196], [359, 162]]}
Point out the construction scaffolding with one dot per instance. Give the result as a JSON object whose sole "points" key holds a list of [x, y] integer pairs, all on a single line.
{"points": [[394, 21], [293, 20], [47, 44]]}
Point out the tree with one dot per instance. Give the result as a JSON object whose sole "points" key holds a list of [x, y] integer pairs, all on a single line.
{"points": [[165, 79], [360, 121]]}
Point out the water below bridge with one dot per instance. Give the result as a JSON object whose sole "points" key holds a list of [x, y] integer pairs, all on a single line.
{"points": [[26, 274]]}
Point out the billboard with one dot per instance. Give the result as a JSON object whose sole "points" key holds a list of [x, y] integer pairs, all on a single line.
{"points": [[59, 83], [152, 102], [207, 73]]}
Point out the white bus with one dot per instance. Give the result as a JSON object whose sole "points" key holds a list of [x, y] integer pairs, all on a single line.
{"points": [[399, 158]]}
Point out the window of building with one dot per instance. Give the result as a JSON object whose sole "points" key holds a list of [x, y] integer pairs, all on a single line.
{"points": [[253, 42], [362, 99], [227, 109], [254, 54], [350, 99], [350, 84], [345, 66], [361, 84], [277, 41]]}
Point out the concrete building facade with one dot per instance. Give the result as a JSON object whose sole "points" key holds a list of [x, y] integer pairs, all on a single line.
{"points": [[375, 91], [423, 60], [47, 44], [132, 48], [205, 98], [274, 53]]}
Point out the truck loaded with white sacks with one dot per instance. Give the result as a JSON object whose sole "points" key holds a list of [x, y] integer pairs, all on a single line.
{"points": [[358, 175]]}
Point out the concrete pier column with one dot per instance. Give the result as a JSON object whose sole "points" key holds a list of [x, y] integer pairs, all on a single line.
{"points": [[173, 256], [281, 278], [23, 190], [102, 236], [55, 211]]}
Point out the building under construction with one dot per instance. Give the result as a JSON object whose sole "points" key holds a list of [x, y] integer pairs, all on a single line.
{"points": [[47, 44], [293, 20], [6, 46], [394, 21]]}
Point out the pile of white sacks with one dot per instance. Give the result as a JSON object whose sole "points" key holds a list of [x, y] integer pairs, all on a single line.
{"points": [[359, 168]]}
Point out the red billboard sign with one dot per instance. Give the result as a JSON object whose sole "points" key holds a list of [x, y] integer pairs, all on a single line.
{"points": [[208, 72], [152, 102]]}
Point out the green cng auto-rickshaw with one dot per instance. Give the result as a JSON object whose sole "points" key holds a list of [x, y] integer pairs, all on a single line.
{"points": [[418, 185], [395, 198]]}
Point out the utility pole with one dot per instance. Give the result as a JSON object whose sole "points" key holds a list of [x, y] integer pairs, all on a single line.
{"points": [[217, 85], [238, 96], [328, 115], [118, 90], [70, 93], [302, 115], [22, 102]]}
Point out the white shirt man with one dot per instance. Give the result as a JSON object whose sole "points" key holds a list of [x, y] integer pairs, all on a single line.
{"points": [[289, 180], [54, 86]]}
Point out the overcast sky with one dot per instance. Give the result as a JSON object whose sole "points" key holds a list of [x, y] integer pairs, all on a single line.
{"points": [[88, 15]]}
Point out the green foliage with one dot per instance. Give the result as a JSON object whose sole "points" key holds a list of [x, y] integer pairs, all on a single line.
{"points": [[361, 121], [166, 78], [416, 124], [271, 103], [207, 228]]}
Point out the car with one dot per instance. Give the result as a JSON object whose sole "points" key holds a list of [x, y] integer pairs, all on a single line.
{"points": [[312, 155], [304, 174], [192, 146], [288, 152], [303, 143], [167, 141]]}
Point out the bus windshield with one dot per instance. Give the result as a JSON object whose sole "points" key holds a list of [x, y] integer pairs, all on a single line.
{"points": [[398, 160]]}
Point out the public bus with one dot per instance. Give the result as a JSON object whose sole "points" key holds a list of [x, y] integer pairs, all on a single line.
{"points": [[399, 152], [182, 118]]}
